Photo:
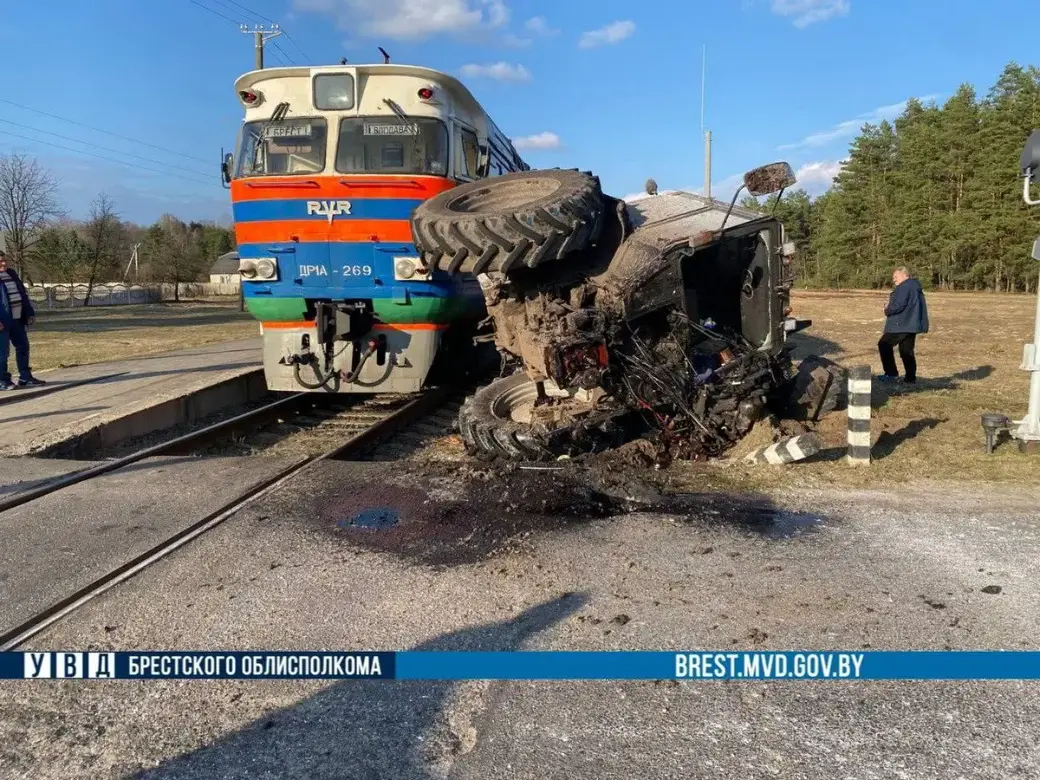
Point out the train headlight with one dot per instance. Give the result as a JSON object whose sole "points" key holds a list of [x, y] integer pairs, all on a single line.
{"points": [[404, 268], [266, 268], [410, 268], [247, 269]]}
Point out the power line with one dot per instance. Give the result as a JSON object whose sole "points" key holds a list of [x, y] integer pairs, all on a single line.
{"points": [[102, 157], [99, 146], [294, 43], [267, 19], [289, 60], [251, 11], [107, 132], [216, 13]]}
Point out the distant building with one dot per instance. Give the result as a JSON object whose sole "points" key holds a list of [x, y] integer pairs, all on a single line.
{"points": [[225, 270]]}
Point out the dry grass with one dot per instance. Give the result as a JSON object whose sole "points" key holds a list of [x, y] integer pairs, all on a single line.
{"points": [[967, 365], [70, 337]]}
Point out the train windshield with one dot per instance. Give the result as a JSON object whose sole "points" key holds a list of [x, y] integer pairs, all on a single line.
{"points": [[283, 147], [417, 145]]}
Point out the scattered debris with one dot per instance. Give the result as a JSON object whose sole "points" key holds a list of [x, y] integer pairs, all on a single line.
{"points": [[992, 589]]}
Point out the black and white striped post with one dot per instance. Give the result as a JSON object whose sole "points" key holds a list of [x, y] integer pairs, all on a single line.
{"points": [[789, 450], [859, 415]]}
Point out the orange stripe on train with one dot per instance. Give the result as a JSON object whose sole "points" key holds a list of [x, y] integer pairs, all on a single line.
{"points": [[342, 187], [358, 230]]}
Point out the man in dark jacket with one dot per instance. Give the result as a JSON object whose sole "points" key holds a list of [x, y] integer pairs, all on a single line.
{"points": [[907, 315], [16, 315]]}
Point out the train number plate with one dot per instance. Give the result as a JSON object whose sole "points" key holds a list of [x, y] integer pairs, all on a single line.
{"points": [[357, 270]]}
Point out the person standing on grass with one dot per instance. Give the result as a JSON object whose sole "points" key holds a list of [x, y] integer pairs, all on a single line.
{"points": [[906, 316], [16, 315]]}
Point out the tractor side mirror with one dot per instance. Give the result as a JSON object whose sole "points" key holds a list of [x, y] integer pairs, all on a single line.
{"points": [[1036, 249], [769, 179]]}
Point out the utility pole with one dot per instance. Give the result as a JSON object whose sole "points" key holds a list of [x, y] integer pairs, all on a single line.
{"points": [[260, 37], [707, 133], [132, 264], [707, 165]]}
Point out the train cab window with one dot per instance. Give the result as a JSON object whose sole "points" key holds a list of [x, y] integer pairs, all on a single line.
{"points": [[283, 148], [416, 145], [469, 154], [333, 91]]}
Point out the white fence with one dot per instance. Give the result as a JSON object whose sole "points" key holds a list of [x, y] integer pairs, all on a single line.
{"points": [[67, 296]]}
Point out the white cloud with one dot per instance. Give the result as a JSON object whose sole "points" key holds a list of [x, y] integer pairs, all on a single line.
{"points": [[410, 19], [615, 32], [539, 26], [806, 12], [515, 41], [538, 141], [817, 177], [851, 127], [500, 71]]}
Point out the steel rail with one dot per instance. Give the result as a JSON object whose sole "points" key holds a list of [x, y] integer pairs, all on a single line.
{"points": [[210, 432], [358, 443]]}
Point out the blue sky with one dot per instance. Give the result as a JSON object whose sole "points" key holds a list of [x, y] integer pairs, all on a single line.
{"points": [[604, 85]]}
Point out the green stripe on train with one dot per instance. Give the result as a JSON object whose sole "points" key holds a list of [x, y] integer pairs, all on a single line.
{"points": [[416, 309]]}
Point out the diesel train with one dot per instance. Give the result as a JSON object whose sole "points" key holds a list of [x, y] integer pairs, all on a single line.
{"points": [[329, 165]]}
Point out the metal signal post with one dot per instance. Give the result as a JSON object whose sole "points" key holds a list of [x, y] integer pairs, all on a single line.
{"points": [[261, 36], [1028, 431]]}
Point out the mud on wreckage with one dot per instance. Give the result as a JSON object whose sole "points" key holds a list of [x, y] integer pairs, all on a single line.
{"points": [[664, 319]]}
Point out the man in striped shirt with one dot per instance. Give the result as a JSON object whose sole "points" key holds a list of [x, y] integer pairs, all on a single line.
{"points": [[16, 315]]}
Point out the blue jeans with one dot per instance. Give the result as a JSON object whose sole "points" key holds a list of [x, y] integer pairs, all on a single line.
{"points": [[14, 334]]}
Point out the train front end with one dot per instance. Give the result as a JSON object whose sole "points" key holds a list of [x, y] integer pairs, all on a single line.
{"points": [[328, 167]]}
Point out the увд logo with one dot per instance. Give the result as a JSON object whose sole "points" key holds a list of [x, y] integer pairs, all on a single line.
{"points": [[328, 208]]}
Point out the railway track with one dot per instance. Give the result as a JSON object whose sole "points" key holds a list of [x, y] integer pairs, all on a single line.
{"points": [[356, 425]]}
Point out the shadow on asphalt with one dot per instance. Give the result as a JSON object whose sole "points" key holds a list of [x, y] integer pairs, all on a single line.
{"points": [[366, 729]]}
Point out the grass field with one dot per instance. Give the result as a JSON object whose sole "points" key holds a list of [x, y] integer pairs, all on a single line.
{"points": [[967, 365], [69, 337]]}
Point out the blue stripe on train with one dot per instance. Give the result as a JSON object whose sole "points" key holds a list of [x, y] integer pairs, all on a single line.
{"points": [[334, 269], [296, 209]]}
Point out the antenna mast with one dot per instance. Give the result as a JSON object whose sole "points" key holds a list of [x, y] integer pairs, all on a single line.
{"points": [[260, 37]]}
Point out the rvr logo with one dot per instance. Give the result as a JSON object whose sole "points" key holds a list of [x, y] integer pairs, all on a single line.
{"points": [[328, 208]]}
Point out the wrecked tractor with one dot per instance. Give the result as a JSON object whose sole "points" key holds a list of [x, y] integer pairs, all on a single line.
{"points": [[663, 319]]}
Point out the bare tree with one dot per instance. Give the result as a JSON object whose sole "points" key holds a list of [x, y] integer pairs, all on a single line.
{"points": [[28, 200], [104, 236]]}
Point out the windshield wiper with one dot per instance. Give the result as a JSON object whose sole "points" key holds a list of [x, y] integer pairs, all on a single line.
{"points": [[277, 116], [398, 111]]}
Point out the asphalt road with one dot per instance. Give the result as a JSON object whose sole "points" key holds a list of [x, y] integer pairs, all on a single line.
{"points": [[536, 562]]}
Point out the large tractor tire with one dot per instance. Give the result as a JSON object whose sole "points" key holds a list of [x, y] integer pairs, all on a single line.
{"points": [[496, 423], [508, 222], [820, 386]]}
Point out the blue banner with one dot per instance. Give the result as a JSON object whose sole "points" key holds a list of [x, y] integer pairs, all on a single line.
{"points": [[524, 665]]}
